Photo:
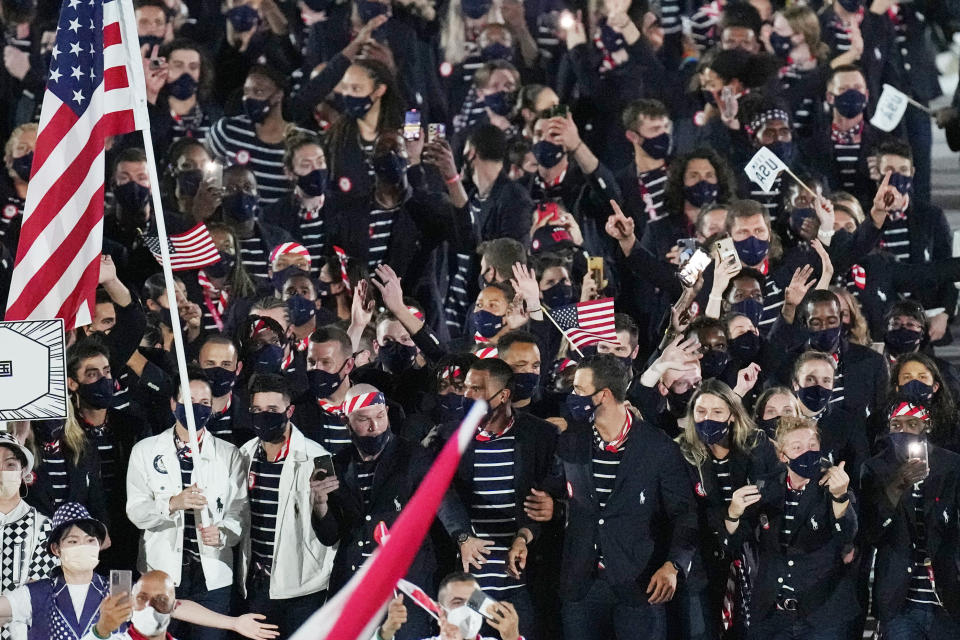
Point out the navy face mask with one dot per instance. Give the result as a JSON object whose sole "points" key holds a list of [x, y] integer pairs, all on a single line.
{"points": [[782, 149], [47, 430], [712, 431], [183, 87], [548, 155], [806, 465], [581, 408], [496, 51], [657, 147], [221, 380], [223, 268], [269, 426], [448, 408], [714, 363], [99, 394], [917, 392], [323, 384], [745, 348], [243, 17], [367, 10], [751, 308], [700, 193], [188, 182], [256, 110], [902, 340], [267, 359], [902, 183], [850, 103], [500, 103], [525, 385], [22, 166], [826, 340], [391, 168], [752, 250], [769, 425], [781, 45], [475, 9], [201, 414], [815, 398], [241, 206], [355, 106], [314, 183], [372, 445], [558, 295], [132, 196], [797, 217], [301, 310], [488, 324], [901, 442], [397, 357], [851, 5], [150, 42]]}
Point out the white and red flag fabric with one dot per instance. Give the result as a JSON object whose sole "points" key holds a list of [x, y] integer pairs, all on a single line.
{"points": [[355, 611], [586, 323], [88, 97], [420, 597]]}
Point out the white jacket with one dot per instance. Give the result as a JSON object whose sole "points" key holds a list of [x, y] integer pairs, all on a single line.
{"points": [[153, 476], [301, 563]]}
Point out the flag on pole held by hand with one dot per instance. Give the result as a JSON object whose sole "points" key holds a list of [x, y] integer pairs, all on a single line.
{"points": [[890, 109], [420, 597], [355, 611], [586, 323], [193, 249], [764, 167], [88, 97]]}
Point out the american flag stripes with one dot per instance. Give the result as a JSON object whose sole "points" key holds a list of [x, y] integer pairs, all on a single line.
{"points": [[586, 323], [420, 596], [193, 249], [88, 97]]}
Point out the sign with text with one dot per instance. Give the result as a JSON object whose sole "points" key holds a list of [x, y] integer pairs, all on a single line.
{"points": [[890, 109], [33, 382], [764, 167]]}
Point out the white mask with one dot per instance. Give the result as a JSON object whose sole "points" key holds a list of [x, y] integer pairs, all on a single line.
{"points": [[10, 483], [149, 622], [467, 619], [80, 558]]}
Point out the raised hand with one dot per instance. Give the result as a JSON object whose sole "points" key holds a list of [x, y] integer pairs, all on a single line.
{"points": [[747, 379], [621, 228], [525, 283], [390, 290], [836, 480], [800, 283], [826, 264], [741, 499], [887, 200]]}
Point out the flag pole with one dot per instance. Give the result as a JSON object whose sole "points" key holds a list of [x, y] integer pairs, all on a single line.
{"points": [[546, 312], [142, 119]]}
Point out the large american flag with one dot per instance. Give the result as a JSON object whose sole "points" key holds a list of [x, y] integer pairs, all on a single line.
{"points": [[586, 323], [88, 97], [193, 249]]}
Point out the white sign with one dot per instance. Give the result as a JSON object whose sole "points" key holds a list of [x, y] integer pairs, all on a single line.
{"points": [[890, 109], [764, 167], [33, 383]]}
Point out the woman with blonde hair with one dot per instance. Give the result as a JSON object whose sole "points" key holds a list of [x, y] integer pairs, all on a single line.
{"points": [[724, 450], [795, 38], [18, 159], [852, 318]]}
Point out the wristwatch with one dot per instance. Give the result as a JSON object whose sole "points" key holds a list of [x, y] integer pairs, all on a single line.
{"points": [[462, 537], [841, 498]]}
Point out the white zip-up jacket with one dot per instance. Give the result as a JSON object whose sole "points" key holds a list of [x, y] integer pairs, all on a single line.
{"points": [[153, 477], [301, 563]]}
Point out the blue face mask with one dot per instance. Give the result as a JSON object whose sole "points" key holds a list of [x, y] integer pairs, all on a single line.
{"points": [[781, 45], [323, 384], [612, 40], [256, 110], [355, 106], [448, 408], [221, 380], [580, 408], [501, 102], [488, 324], [751, 308], [314, 183], [243, 18], [241, 207], [752, 250], [916, 392], [525, 385], [496, 51], [367, 10], [132, 196], [22, 166], [397, 357], [267, 359], [269, 426], [700, 193], [745, 348], [850, 103], [548, 155], [188, 182], [558, 295], [223, 268], [201, 414], [99, 394], [797, 217], [657, 147], [150, 42], [806, 465], [815, 398], [475, 9], [902, 183], [902, 340], [390, 168], [183, 87], [901, 442], [783, 150], [301, 310], [712, 431], [769, 426], [714, 363], [826, 340]]}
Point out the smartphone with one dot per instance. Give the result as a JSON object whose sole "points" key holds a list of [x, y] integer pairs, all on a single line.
{"points": [[727, 251], [548, 210], [323, 466], [690, 272], [595, 266], [214, 169], [480, 602], [411, 125], [566, 20], [919, 451], [687, 248], [121, 582], [556, 111], [436, 131]]}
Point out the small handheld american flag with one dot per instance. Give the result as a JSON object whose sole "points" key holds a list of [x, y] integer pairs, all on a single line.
{"points": [[586, 323], [193, 249]]}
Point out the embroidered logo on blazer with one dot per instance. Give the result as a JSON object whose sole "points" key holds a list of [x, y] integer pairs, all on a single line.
{"points": [[158, 465]]}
